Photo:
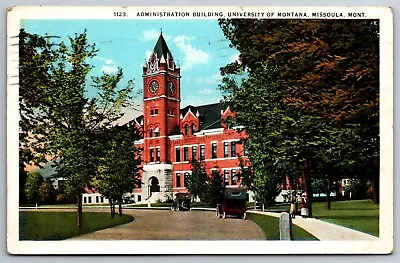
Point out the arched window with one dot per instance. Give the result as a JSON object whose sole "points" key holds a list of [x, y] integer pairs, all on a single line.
{"points": [[151, 133], [193, 128], [186, 129], [229, 122], [157, 132]]}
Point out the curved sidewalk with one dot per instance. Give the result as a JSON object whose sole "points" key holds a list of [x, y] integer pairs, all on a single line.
{"points": [[325, 231]]}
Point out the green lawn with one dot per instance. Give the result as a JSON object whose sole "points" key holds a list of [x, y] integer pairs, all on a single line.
{"points": [[361, 215], [63, 225], [270, 226]]}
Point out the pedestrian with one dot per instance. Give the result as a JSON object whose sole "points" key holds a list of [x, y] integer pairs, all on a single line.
{"points": [[293, 205], [304, 206]]}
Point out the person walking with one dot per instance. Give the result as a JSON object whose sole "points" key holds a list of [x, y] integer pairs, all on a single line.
{"points": [[304, 206], [293, 205]]}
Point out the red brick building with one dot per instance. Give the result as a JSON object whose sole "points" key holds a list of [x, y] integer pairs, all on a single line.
{"points": [[172, 136]]}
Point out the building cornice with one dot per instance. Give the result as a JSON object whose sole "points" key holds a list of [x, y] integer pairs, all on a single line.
{"points": [[162, 97]]}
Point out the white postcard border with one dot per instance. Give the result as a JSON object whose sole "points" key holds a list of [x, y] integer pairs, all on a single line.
{"points": [[385, 243]]}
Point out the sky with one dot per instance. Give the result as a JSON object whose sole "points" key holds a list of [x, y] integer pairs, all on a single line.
{"points": [[198, 46]]}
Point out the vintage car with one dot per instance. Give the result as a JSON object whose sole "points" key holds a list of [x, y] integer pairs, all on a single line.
{"points": [[181, 202], [232, 202]]}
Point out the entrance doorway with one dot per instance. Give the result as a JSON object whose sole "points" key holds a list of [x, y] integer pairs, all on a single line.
{"points": [[154, 185]]}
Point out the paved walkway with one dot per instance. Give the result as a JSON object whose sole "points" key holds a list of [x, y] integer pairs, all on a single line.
{"points": [[325, 231], [186, 225]]}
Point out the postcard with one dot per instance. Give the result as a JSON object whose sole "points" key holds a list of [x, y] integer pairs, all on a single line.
{"points": [[244, 130]]}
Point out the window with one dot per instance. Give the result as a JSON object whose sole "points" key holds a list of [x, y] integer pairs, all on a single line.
{"points": [[84, 200], [194, 152], [177, 154], [226, 149], [234, 178], [89, 199], [156, 111], [102, 199], [186, 179], [193, 128], [186, 129], [151, 112], [214, 150], [157, 132], [229, 122], [178, 180], [246, 151], [233, 149], [202, 152], [226, 177], [158, 154], [185, 153], [139, 198], [169, 111], [151, 155], [97, 199]]}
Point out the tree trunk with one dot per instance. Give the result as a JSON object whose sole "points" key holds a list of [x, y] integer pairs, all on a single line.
{"points": [[328, 192], [307, 184], [120, 207], [79, 211], [337, 190], [112, 207], [375, 177]]}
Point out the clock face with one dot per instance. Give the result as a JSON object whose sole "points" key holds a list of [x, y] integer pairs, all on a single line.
{"points": [[153, 87], [171, 88]]}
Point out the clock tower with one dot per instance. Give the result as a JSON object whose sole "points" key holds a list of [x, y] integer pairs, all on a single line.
{"points": [[161, 111]]}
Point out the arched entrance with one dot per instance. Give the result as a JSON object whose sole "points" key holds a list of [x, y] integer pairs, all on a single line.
{"points": [[154, 185]]}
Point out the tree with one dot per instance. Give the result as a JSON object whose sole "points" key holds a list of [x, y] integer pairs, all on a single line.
{"points": [[32, 187], [197, 179], [214, 188], [46, 192], [118, 171], [324, 80], [70, 125], [35, 57]]}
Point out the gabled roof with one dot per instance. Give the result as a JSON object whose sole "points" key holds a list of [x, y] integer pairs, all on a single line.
{"points": [[161, 48], [209, 115]]}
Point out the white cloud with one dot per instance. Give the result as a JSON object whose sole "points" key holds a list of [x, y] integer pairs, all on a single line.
{"points": [[153, 34], [148, 54], [191, 55], [214, 79], [109, 69], [110, 66], [205, 91], [234, 57]]}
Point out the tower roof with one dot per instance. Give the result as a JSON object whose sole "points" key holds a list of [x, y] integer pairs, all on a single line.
{"points": [[161, 48]]}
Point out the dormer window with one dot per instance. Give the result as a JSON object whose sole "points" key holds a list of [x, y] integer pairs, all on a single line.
{"points": [[186, 129], [229, 122], [193, 128]]}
